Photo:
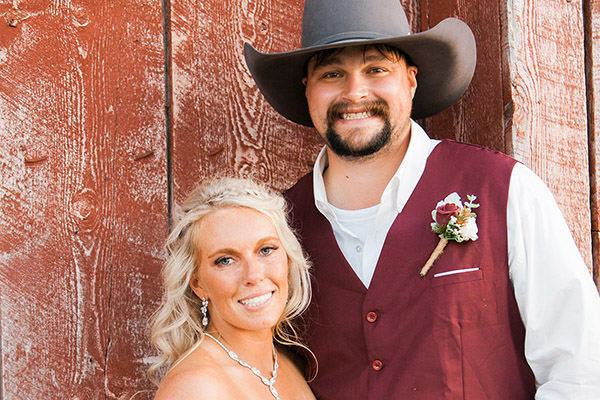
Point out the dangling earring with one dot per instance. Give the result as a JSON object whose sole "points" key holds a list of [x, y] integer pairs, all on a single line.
{"points": [[204, 311]]}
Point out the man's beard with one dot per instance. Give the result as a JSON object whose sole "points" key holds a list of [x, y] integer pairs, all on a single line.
{"points": [[342, 148]]}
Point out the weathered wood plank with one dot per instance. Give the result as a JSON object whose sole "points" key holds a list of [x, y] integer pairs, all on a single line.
{"points": [[56, 226], [478, 116], [140, 204], [592, 49], [222, 124], [73, 104], [596, 257], [545, 58]]}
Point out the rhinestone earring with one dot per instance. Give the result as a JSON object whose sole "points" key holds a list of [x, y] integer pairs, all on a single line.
{"points": [[204, 311]]}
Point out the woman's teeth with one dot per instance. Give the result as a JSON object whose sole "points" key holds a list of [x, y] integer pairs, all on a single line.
{"points": [[257, 301]]}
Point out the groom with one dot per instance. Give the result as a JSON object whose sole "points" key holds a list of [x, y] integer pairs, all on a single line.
{"points": [[508, 309]]}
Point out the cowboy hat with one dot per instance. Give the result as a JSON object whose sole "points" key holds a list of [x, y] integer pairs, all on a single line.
{"points": [[445, 54]]}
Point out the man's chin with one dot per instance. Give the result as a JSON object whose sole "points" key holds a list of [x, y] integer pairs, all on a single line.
{"points": [[344, 150], [356, 149]]}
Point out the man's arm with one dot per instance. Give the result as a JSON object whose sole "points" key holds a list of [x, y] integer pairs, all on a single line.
{"points": [[557, 299]]}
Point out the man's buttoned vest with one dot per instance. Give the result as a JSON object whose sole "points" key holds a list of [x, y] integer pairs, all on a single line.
{"points": [[455, 336]]}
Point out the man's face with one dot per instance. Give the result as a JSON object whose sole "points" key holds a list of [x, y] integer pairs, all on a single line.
{"points": [[360, 101]]}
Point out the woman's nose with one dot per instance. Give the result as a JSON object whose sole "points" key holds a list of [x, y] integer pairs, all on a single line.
{"points": [[255, 271]]}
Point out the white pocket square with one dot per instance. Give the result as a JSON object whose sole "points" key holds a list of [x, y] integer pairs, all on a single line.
{"points": [[455, 271]]}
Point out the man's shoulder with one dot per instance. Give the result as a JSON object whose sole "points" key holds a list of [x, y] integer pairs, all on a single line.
{"points": [[301, 190], [471, 153], [300, 199]]}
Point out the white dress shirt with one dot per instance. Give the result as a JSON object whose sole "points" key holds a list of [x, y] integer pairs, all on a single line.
{"points": [[557, 299]]}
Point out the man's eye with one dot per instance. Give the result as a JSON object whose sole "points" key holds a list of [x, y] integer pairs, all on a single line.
{"points": [[330, 75], [223, 261], [377, 70]]}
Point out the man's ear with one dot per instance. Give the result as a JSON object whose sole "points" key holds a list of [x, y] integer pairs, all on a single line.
{"points": [[197, 287], [412, 76], [304, 80]]}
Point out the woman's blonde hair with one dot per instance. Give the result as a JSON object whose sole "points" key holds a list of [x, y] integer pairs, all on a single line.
{"points": [[176, 325]]}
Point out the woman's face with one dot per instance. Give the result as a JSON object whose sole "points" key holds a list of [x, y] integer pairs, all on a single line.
{"points": [[242, 270]]}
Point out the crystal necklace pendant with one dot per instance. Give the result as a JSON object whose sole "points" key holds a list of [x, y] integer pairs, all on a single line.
{"points": [[268, 382]]}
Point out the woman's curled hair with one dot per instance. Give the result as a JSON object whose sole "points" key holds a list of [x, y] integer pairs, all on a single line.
{"points": [[176, 326]]}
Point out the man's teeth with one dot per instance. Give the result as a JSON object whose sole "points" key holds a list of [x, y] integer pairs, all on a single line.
{"points": [[355, 115], [257, 301]]}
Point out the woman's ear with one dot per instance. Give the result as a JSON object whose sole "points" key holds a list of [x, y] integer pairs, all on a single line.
{"points": [[197, 287]]}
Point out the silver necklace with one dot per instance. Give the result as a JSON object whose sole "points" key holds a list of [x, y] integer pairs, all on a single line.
{"points": [[269, 382]]}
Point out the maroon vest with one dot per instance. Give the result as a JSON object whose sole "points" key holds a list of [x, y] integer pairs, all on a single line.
{"points": [[406, 337]]}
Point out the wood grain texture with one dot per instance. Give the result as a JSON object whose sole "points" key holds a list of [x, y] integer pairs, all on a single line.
{"points": [[221, 123], [83, 160], [478, 117], [596, 258], [82, 220], [545, 58], [592, 49], [140, 208]]}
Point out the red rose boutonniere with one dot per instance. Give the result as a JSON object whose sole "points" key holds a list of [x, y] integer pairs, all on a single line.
{"points": [[452, 221]]}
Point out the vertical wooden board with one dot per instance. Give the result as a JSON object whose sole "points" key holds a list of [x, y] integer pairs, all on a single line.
{"points": [[412, 8], [592, 49], [59, 107], [545, 56], [478, 117], [54, 219], [139, 197], [221, 122], [596, 258]]}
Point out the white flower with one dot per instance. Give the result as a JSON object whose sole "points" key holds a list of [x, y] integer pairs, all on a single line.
{"points": [[469, 230], [459, 227]]}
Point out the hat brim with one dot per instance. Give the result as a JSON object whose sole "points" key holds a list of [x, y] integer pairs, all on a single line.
{"points": [[445, 56]]}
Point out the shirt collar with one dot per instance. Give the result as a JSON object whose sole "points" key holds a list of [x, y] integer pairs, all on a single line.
{"points": [[402, 183]]}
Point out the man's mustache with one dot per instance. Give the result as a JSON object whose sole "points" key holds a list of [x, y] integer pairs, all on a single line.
{"points": [[377, 108]]}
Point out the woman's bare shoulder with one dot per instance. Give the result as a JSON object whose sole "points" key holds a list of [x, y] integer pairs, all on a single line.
{"points": [[195, 378]]}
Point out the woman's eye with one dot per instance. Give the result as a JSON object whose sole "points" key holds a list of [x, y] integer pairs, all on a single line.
{"points": [[265, 251], [223, 261]]}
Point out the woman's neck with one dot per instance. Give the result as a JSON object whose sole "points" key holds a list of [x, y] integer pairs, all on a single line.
{"points": [[253, 347]]}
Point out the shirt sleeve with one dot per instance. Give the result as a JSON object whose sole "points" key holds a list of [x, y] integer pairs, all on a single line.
{"points": [[557, 298]]}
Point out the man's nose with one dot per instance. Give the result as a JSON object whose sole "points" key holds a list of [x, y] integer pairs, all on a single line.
{"points": [[355, 88]]}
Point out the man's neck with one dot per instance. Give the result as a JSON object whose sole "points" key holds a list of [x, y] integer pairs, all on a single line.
{"points": [[358, 184]]}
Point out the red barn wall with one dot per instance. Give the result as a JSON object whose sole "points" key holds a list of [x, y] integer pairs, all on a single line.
{"points": [[83, 204], [111, 112]]}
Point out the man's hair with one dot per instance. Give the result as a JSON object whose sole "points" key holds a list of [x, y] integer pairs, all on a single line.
{"points": [[391, 53]]}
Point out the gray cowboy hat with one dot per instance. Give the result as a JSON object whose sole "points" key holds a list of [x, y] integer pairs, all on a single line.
{"points": [[444, 54]]}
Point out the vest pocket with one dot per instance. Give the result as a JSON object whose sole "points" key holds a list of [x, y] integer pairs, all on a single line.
{"points": [[465, 296], [456, 275]]}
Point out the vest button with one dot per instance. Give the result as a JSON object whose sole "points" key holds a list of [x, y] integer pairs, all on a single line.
{"points": [[371, 316], [377, 365]]}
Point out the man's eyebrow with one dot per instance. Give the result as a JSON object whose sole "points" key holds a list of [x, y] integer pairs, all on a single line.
{"points": [[328, 61], [375, 57], [335, 60]]}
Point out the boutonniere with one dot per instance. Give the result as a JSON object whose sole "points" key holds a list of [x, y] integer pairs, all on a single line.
{"points": [[452, 221]]}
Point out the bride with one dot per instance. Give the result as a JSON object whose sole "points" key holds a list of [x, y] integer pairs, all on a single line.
{"points": [[235, 279]]}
